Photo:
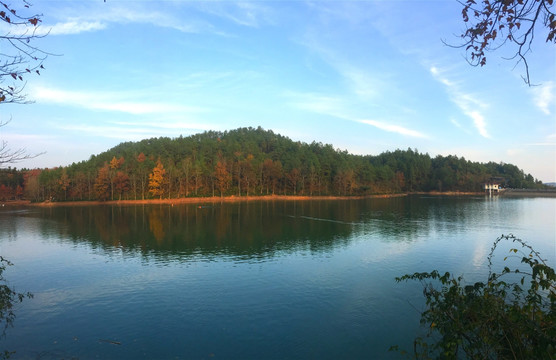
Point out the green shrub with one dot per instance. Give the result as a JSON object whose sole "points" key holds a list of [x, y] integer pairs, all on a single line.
{"points": [[510, 316]]}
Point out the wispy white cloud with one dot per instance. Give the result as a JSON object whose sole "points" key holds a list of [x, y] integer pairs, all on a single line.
{"points": [[172, 125], [117, 102], [549, 140], [460, 126], [544, 96], [181, 16], [244, 13], [71, 28], [134, 131], [456, 123], [66, 27], [77, 19], [14, 138], [478, 121], [362, 83], [112, 132], [470, 105], [336, 107], [358, 79], [394, 128], [317, 103]]}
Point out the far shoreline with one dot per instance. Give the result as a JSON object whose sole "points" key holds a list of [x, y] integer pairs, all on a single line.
{"points": [[233, 198], [226, 199]]}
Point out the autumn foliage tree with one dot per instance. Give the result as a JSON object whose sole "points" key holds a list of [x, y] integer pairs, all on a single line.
{"points": [[121, 184], [156, 180], [64, 183], [223, 177], [494, 23], [115, 164], [31, 185], [102, 183]]}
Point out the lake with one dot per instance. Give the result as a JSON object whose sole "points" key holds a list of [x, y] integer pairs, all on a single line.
{"points": [[246, 280]]}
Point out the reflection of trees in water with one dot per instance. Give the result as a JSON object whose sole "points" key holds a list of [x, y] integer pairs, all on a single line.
{"points": [[8, 224], [155, 225], [252, 229]]}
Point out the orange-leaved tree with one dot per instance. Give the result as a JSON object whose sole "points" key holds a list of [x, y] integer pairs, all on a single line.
{"points": [[121, 183], [102, 183], [223, 177], [156, 180]]}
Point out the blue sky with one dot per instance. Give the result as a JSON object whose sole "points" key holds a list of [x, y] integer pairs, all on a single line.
{"points": [[364, 76]]}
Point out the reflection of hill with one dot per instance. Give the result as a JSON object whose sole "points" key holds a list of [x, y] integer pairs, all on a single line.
{"points": [[242, 229], [252, 229]]}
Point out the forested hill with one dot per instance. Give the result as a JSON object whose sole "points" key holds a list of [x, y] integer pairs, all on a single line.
{"points": [[250, 161]]}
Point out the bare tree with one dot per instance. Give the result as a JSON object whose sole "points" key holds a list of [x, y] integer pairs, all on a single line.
{"points": [[9, 156], [19, 56], [491, 24]]}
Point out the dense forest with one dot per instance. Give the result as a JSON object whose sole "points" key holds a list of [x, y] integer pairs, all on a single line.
{"points": [[250, 162]]}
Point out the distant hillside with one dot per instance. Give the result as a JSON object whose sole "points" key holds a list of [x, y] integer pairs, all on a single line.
{"points": [[552, 184], [250, 161]]}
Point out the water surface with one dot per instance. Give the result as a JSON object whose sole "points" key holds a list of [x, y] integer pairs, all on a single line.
{"points": [[263, 279]]}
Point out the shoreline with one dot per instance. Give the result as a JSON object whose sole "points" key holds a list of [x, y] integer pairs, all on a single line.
{"points": [[528, 193], [230, 199], [193, 200], [227, 199]]}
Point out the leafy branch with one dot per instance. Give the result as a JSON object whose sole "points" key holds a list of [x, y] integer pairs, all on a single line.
{"points": [[495, 319], [492, 24], [8, 299]]}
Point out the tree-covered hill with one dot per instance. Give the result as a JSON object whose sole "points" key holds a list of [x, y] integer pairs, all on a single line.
{"points": [[247, 162]]}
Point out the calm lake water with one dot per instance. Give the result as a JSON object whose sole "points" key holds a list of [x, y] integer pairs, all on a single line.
{"points": [[252, 280]]}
